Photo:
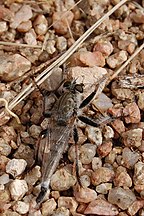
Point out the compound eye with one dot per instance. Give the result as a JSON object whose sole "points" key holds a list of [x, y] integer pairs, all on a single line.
{"points": [[67, 85], [79, 87]]}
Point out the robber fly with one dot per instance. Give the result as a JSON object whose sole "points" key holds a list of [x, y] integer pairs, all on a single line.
{"points": [[54, 140]]}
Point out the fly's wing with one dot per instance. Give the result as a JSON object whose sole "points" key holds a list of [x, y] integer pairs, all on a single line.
{"points": [[51, 147]]}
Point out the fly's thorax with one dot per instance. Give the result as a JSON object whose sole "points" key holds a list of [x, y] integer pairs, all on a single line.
{"points": [[66, 108]]}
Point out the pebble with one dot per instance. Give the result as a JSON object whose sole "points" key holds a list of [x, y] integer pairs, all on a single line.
{"points": [[87, 153], [122, 178], [62, 180], [40, 24], [13, 66], [101, 207], [108, 132], [55, 194], [85, 180], [105, 47], [129, 158], [25, 152], [102, 103], [135, 207], [30, 37], [132, 138], [3, 27], [61, 21], [4, 196], [102, 175], [103, 188], [88, 58], [4, 179], [126, 45], [141, 100], [137, 16], [32, 176], [16, 167], [48, 207], [50, 47], [10, 212], [94, 135], [96, 163], [104, 149], [62, 211], [132, 113], [118, 125], [61, 43], [21, 207], [117, 59], [6, 14], [68, 202], [34, 131], [84, 195], [5, 148], [18, 188], [25, 26], [138, 177], [123, 198], [22, 15]]}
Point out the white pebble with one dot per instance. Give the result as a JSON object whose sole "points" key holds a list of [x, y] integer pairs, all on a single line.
{"points": [[4, 179], [18, 188], [16, 166], [21, 207]]}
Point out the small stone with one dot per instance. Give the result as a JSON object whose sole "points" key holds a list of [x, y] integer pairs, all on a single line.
{"points": [[3, 27], [141, 100], [18, 188], [61, 44], [117, 59], [96, 163], [103, 188], [61, 22], [132, 138], [122, 178], [30, 37], [85, 180], [21, 207], [126, 45], [84, 195], [108, 132], [25, 26], [62, 180], [105, 47], [48, 207], [87, 153], [16, 167], [62, 211], [5, 148], [132, 113], [68, 202], [5, 13], [4, 196], [139, 173], [104, 149], [26, 153], [23, 15], [94, 135], [55, 194], [135, 207], [123, 198], [118, 125], [137, 16], [102, 103], [129, 158], [13, 66], [35, 131], [101, 207], [40, 24], [4, 179], [102, 175], [50, 47], [32, 176]]}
